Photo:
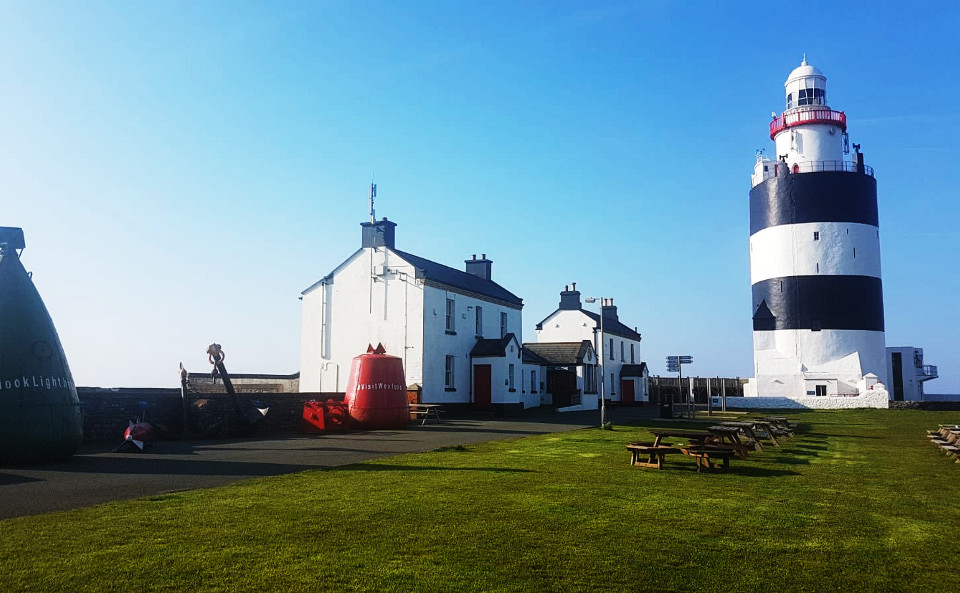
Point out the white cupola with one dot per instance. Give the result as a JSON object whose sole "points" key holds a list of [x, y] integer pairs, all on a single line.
{"points": [[806, 86]]}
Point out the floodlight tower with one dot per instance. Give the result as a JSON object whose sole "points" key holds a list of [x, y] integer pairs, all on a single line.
{"points": [[814, 253]]}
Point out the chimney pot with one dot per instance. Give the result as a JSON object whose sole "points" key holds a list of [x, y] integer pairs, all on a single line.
{"points": [[484, 256], [566, 288], [574, 285]]}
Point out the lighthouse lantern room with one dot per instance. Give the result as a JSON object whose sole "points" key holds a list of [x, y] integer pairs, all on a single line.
{"points": [[814, 255]]}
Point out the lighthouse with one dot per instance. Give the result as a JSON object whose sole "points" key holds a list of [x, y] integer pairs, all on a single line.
{"points": [[814, 254]]}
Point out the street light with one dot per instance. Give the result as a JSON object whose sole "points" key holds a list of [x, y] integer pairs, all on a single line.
{"points": [[603, 400]]}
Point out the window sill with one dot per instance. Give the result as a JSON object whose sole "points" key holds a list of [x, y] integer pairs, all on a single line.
{"points": [[450, 333], [511, 390], [449, 388]]}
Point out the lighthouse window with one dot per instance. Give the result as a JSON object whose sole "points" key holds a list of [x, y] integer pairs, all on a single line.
{"points": [[815, 325], [789, 100], [816, 235], [810, 97]]}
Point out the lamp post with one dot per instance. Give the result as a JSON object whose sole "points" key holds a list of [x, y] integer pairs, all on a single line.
{"points": [[603, 400]]}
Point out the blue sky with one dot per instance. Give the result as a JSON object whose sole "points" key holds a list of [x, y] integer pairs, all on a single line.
{"points": [[182, 170]]}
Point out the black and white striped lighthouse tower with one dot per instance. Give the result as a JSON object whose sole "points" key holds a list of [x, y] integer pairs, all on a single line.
{"points": [[814, 253]]}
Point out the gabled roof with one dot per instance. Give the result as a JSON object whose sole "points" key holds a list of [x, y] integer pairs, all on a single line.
{"points": [[633, 370], [560, 353], [609, 325], [460, 281], [492, 347]]}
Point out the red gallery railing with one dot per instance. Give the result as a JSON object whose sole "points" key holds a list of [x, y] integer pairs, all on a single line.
{"points": [[809, 116]]}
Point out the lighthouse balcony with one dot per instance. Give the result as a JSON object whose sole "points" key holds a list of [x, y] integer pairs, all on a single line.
{"points": [[766, 168], [927, 372], [807, 116]]}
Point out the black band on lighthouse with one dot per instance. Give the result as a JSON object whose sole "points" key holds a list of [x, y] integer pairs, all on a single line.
{"points": [[818, 302], [828, 196]]}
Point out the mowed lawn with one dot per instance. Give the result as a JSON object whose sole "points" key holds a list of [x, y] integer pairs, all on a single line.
{"points": [[857, 501]]}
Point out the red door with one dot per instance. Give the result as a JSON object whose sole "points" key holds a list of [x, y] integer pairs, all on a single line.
{"points": [[481, 386], [626, 391]]}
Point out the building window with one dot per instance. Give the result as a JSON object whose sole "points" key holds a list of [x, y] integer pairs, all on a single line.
{"points": [[533, 381], [479, 322], [448, 378], [451, 315], [622, 357], [789, 100], [815, 325], [816, 235], [611, 349], [510, 383], [611, 385], [821, 390], [590, 378], [503, 325], [631, 354]]}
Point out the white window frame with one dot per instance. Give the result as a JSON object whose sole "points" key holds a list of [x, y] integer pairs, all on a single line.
{"points": [[449, 372], [479, 322], [451, 315], [503, 324]]}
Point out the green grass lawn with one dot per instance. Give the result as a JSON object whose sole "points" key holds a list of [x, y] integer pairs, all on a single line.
{"points": [[857, 501]]}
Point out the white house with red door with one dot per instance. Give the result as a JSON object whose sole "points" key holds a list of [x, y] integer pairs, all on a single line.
{"points": [[457, 331], [624, 378]]}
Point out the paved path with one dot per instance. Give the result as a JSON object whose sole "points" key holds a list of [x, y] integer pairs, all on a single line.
{"points": [[96, 474]]}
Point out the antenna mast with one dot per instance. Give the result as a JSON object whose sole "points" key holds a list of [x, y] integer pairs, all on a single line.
{"points": [[373, 194]]}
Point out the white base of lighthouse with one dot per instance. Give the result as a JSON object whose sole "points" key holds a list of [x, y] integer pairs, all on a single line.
{"points": [[836, 364]]}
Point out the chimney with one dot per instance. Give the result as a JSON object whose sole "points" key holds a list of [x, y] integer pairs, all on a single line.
{"points": [[379, 234], [570, 299], [479, 267], [608, 310]]}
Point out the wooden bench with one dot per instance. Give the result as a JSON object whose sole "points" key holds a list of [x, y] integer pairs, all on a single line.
{"points": [[654, 454], [706, 457]]}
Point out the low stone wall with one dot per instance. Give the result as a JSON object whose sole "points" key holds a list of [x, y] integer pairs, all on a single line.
{"points": [[873, 399], [107, 412], [926, 405]]}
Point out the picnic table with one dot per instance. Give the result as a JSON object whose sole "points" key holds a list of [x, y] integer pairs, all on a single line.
{"points": [[728, 437], [750, 429], [426, 411], [699, 448]]}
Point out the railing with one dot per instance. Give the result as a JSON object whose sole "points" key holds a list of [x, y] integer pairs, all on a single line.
{"points": [[808, 116], [780, 169], [929, 371]]}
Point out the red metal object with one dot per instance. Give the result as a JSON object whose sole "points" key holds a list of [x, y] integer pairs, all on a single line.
{"points": [[139, 433], [376, 391], [809, 116], [327, 416]]}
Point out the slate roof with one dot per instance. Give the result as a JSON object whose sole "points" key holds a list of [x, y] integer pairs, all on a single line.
{"points": [[633, 370], [492, 347], [560, 353], [460, 280], [613, 327]]}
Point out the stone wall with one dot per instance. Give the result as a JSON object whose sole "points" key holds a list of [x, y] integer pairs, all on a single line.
{"points": [[872, 399], [107, 412], [926, 405]]}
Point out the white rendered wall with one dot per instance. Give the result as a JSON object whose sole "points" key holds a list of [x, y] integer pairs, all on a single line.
{"points": [[912, 375], [843, 248], [810, 142], [574, 326], [844, 355], [438, 344], [372, 298], [874, 398]]}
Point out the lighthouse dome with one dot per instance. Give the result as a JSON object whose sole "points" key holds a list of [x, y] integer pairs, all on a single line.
{"points": [[806, 85]]}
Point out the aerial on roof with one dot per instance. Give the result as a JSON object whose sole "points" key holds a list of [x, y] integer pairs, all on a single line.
{"points": [[445, 275]]}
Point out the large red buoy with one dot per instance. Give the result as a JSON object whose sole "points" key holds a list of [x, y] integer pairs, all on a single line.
{"points": [[376, 391]]}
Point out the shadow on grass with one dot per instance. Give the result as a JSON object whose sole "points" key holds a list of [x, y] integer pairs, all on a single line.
{"points": [[791, 461], [842, 436], [812, 447], [759, 472], [381, 467]]}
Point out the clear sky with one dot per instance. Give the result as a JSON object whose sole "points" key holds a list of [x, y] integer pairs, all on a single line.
{"points": [[182, 170]]}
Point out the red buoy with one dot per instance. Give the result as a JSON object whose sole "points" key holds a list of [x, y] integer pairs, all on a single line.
{"points": [[376, 391]]}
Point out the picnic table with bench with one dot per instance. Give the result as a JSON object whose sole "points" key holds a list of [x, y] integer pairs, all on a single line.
{"points": [[700, 448], [426, 411]]}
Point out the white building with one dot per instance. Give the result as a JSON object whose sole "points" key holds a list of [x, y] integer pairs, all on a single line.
{"points": [[617, 346], [818, 326], [569, 372], [906, 373], [430, 315]]}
